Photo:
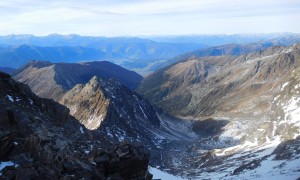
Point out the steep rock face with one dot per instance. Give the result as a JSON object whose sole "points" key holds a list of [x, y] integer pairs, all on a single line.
{"points": [[87, 103], [49, 80], [38, 139], [111, 107]]}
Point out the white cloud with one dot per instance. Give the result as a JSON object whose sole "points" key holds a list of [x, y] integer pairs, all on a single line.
{"points": [[137, 17]]}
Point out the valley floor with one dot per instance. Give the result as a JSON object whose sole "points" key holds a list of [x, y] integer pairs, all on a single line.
{"points": [[215, 157]]}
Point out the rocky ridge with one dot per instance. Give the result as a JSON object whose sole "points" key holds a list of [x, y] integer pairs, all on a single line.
{"points": [[113, 106], [222, 50], [119, 114], [39, 139], [52, 80], [222, 85]]}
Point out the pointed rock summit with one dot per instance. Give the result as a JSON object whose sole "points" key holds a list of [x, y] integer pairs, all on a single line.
{"points": [[110, 107]]}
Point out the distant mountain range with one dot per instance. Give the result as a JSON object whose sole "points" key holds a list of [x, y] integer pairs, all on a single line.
{"points": [[18, 55], [7, 70], [130, 52], [228, 49], [263, 42], [221, 39], [139, 54]]}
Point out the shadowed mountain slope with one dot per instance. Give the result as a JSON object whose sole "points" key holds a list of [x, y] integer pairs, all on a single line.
{"points": [[51, 80], [39, 139]]}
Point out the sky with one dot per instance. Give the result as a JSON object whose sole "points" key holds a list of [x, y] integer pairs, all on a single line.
{"points": [[148, 17]]}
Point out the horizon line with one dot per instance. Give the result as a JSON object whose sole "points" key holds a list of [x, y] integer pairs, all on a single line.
{"points": [[154, 35]]}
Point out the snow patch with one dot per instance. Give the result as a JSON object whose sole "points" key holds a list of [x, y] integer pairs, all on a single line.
{"points": [[120, 137], [10, 98], [30, 101], [275, 170], [284, 85], [288, 50], [94, 121], [81, 130], [250, 151], [109, 134], [6, 164], [158, 174], [142, 111], [140, 106], [292, 112]]}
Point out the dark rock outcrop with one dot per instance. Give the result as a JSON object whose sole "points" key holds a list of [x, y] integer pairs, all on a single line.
{"points": [[39, 140], [103, 100]]}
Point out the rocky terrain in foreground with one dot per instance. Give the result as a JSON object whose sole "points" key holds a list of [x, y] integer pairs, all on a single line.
{"points": [[40, 140]]}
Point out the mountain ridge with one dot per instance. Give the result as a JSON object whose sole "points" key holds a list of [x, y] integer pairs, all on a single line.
{"points": [[130, 52], [209, 71], [223, 50], [51, 80], [136, 53], [39, 139]]}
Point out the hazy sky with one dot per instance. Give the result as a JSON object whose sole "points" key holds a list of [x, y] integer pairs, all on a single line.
{"points": [[148, 17]]}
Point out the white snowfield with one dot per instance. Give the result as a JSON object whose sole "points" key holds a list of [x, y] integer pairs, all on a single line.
{"points": [[6, 164], [158, 174]]}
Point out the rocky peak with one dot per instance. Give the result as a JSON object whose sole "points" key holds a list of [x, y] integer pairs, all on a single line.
{"points": [[101, 101], [87, 103]]}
